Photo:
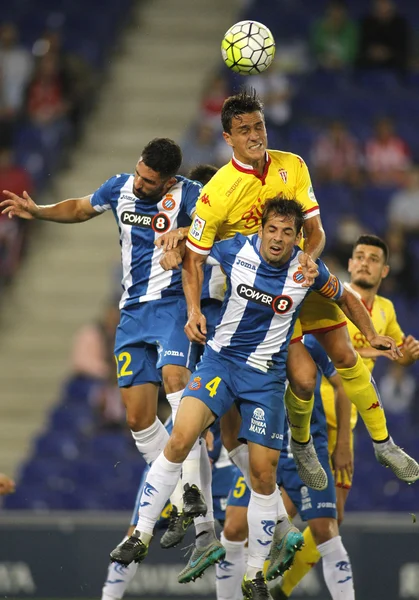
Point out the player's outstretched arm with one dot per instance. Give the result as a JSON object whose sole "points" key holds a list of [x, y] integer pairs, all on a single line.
{"points": [[358, 314], [192, 278], [74, 210]]}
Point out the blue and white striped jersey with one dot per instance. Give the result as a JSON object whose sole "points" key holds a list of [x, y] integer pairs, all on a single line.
{"points": [[140, 223], [262, 302]]}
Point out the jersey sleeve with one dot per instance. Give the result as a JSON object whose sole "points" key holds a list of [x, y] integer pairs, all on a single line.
{"points": [[327, 284], [304, 192], [101, 198], [210, 214], [191, 195], [393, 328]]}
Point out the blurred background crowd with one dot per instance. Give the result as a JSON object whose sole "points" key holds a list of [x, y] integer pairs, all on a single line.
{"points": [[343, 92]]}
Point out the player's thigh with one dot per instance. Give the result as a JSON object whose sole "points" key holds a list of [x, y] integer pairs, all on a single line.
{"points": [[174, 347], [288, 503], [230, 428], [311, 504], [337, 344], [261, 405], [141, 405], [301, 370], [323, 529], [320, 314], [192, 418]]}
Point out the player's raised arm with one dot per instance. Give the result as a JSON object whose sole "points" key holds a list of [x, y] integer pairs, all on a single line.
{"points": [[73, 210]]}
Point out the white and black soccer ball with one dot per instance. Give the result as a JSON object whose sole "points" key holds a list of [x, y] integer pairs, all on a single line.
{"points": [[248, 48]]}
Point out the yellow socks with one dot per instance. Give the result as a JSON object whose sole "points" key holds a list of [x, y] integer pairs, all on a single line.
{"points": [[299, 415], [360, 389], [303, 562]]}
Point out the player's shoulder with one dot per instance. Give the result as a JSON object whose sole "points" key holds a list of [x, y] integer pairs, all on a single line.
{"points": [[385, 304], [223, 183], [285, 158], [234, 243], [186, 183]]}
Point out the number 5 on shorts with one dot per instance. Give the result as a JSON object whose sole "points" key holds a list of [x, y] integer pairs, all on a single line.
{"points": [[213, 385]]}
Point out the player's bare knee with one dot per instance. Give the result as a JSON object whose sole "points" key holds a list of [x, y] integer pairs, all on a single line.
{"points": [[263, 478], [137, 421], [344, 357], [324, 529], [235, 526], [178, 447], [175, 379]]}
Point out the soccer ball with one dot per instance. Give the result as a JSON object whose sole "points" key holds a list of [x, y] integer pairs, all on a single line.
{"points": [[248, 48]]}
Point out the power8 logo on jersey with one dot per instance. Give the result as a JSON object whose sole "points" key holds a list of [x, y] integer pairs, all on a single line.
{"points": [[159, 223]]}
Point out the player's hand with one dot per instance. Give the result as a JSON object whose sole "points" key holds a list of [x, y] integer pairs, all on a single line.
{"points": [[309, 268], [7, 485], [170, 240], [387, 344], [172, 259], [411, 347], [196, 327], [342, 462], [15, 206]]}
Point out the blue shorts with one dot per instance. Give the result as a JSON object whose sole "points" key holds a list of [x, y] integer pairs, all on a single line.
{"points": [[219, 382], [310, 503], [239, 493], [149, 336]]}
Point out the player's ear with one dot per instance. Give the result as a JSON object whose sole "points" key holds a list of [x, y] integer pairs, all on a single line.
{"points": [[350, 265], [227, 138], [298, 238], [385, 271], [260, 231], [169, 183]]}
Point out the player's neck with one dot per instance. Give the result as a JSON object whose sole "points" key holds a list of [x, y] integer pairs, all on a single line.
{"points": [[256, 165], [367, 296]]}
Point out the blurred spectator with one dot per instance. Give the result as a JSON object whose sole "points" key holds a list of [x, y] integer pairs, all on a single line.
{"points": [[15, 71], [47, 98], [401, 279], [348, 229], [384, 38], [92, 354], [336, 156], [397, 389], [198, 146], [387, 156], [274, 89], [17, 180], [403, 210], [7, 485], [78, 77], [212, 100], [335, 38], [107, 404]]}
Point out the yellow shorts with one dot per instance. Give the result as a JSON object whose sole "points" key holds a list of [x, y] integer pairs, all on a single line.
{"points": [[332, 437], [317, 314]]}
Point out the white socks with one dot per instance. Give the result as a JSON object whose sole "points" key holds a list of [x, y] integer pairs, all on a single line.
{"points": [[159, 486], [240, 457], [117, 581], [150, 442], [262, 516], [230, 571], [174, 401], [337, 570]]}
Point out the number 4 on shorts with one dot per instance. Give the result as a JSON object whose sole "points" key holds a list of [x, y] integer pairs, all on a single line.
{"points": [[213, 385]]}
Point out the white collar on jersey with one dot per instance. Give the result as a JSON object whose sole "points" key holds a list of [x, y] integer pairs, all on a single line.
{"points": [[248, 167]]}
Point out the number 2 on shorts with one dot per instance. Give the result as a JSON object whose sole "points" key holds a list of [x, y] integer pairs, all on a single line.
{"points": [[213, 385]]}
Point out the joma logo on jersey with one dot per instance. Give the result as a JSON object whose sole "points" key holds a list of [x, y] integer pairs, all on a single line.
{"points": [[279, 304], [245, 264], [159, 223]]}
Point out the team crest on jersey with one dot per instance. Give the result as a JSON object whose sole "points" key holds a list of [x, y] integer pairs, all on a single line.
{"points": [[283, 175], [205, 200], [195, 384], [169, 202], [197, 228], [298, 277]]}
